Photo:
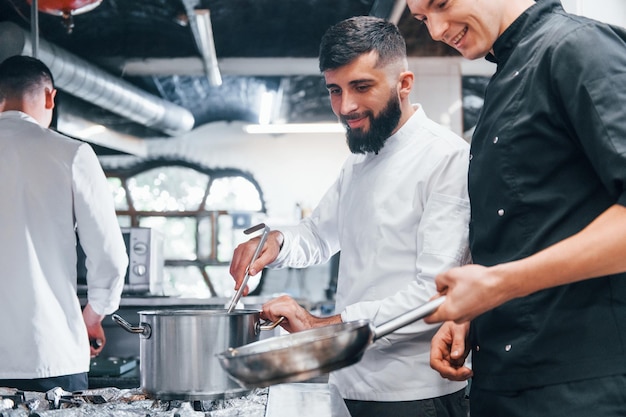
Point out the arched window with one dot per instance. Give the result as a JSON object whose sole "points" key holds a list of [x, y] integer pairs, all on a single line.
{"points": [[200, 212]]}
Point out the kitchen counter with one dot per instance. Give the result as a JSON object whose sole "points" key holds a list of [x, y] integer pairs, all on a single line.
{"points": [[305, 400], [284, 400]]}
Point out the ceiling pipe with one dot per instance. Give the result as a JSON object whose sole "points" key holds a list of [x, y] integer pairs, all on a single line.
{"points": [[34, 28], [202, 30], [83, 80], [206, 45]]}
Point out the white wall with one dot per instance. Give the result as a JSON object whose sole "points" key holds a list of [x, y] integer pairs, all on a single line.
{"points": [[291, 169], [610, 11], [438, 88]]}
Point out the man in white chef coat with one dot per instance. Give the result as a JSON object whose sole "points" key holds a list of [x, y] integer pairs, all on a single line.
{"points": [[52, 188], [399, 214]]}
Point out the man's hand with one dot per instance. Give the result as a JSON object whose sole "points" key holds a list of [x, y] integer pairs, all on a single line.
{"points": [[449, 350], [93, 321], [245, 251], [470, 290]]}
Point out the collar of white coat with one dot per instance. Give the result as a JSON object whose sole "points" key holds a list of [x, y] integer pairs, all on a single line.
{"points": [[407, 130], [16, 114]]}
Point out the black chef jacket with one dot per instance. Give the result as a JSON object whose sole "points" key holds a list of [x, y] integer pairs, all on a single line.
{"points": [[548, 156]]}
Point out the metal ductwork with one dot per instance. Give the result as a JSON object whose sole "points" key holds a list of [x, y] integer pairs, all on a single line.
{"points": [[83, 80]]}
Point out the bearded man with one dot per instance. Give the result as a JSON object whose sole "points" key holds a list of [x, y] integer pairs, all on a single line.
{"points": [[399, 214]]}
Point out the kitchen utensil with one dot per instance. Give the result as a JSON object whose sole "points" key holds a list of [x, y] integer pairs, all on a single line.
{"points": [[239, 292], [178, 347], [310, 353]]}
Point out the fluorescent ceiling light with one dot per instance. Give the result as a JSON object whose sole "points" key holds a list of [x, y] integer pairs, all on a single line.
{"points": [[91, 131], [265, 109], [295, 128]]}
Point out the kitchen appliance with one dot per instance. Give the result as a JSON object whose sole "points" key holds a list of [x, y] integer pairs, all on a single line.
{"points": [[144, 247], [178, 350], [111, 366], [303, 355]]}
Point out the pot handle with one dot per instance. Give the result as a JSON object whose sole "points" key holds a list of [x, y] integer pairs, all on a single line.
{"points": [[145, 330], [268, 325]]}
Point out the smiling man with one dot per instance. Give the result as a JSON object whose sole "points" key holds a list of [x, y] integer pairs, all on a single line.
{"points": [[366, 132], [398, 213], [547, 185]]}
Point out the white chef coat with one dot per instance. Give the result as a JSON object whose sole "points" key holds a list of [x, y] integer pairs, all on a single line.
{"points": [[398, 218], [50, 184]]}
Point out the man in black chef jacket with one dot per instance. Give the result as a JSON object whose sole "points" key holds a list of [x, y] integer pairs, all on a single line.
{"points": [[547, 184]]}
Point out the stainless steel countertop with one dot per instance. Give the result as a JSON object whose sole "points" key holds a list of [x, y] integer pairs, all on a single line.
{"points": [[305, 400]]}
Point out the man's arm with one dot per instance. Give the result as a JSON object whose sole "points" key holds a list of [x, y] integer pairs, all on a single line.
{"points": [[449, 349], [93, 322], [597, 250], [297, 318]]}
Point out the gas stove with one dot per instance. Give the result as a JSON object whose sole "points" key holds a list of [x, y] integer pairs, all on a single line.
{"points": [[124, 403]]}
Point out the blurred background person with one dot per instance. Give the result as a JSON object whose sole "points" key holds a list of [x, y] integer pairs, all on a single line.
{"points": [[52, 188]]}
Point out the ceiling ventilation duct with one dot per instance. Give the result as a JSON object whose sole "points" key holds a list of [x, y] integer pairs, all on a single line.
{"points": [[83, 80]]}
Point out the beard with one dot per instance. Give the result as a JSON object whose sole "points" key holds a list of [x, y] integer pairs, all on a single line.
{"points": [[381, 126]]}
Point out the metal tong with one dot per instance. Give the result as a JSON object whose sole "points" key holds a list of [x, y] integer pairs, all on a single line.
{"points": [[239, 292]]}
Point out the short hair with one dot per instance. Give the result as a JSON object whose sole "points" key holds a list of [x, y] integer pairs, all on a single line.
{"points": [[20, 75], [350, 38]]}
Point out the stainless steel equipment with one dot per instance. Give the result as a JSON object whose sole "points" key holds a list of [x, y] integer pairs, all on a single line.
{"points": [[144, 247], [304, 355], [178, 350]]}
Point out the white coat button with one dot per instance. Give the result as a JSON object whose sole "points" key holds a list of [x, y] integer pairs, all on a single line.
{"points": [[501, 212], [477, 348], [471, 157], [508, 347], [495, 140]]}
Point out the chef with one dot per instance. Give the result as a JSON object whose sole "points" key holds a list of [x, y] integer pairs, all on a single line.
{"points": [[547, 183], [398, 213], [52, 188]]}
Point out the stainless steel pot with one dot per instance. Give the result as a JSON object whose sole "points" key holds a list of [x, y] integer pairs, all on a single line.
{"points": [[310, 353], [178, 350]]}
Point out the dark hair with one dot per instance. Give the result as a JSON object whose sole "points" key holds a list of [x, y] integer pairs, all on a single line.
{"points": [[21, 74], [350, 38]]}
